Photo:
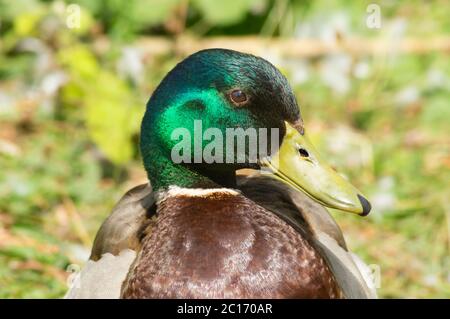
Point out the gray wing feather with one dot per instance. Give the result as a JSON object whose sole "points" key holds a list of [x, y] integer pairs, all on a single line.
{"points": [[102, 279], [121, 229]]}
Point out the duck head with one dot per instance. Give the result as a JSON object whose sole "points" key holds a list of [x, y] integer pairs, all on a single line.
{"points": [[221, 110]]}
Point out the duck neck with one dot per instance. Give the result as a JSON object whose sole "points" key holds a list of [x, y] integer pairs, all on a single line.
{"points": [[163, 172]]}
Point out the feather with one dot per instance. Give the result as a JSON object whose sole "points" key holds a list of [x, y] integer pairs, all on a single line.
{"points": [[102, 279], [129, 222]]}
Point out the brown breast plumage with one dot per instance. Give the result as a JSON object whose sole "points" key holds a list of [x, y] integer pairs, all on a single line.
{"points": [[222, 245]]}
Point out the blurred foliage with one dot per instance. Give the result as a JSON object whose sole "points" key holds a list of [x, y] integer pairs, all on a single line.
{"points": [[71, 100], [102, 115]]}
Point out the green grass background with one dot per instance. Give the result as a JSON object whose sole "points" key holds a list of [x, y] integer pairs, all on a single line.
{"points": [[71, 101]]}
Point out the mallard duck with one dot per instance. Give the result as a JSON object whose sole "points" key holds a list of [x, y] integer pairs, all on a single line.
{"points": [[200, 230]]}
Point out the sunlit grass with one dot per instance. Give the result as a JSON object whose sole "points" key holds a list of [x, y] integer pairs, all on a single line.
{"points": [[381, 120]]}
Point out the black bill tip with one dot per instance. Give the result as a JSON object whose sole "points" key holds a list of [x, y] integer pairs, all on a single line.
{"points": [[365, 205]]}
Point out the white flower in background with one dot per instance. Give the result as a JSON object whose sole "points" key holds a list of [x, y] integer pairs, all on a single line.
{"points": [[324, 27], [48, 89], [407, 96], [44, 57], [9, 148], [58, 7], [7, 102], [300, 70], [334, 72], [395, 32], [397, 28], [431, 280], [131, 65], [335, 69], [52, 82], [258, 7], [436, 79], [348, 148], [384, 198], [338, 23], [18, 185], [361, 70]]}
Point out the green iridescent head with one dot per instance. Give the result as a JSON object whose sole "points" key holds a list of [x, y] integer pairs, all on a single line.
{"points": [[227, 89], [222, 88]]}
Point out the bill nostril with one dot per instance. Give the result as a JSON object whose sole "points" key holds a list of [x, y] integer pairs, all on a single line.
{"points": [[303, 152], [365, 205]]}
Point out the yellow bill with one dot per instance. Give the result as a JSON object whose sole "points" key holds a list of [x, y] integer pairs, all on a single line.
{"points": [[298, 164]]}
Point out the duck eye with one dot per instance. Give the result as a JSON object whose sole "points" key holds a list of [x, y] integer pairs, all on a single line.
{"points": [[238, 97], [303, 152]]}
